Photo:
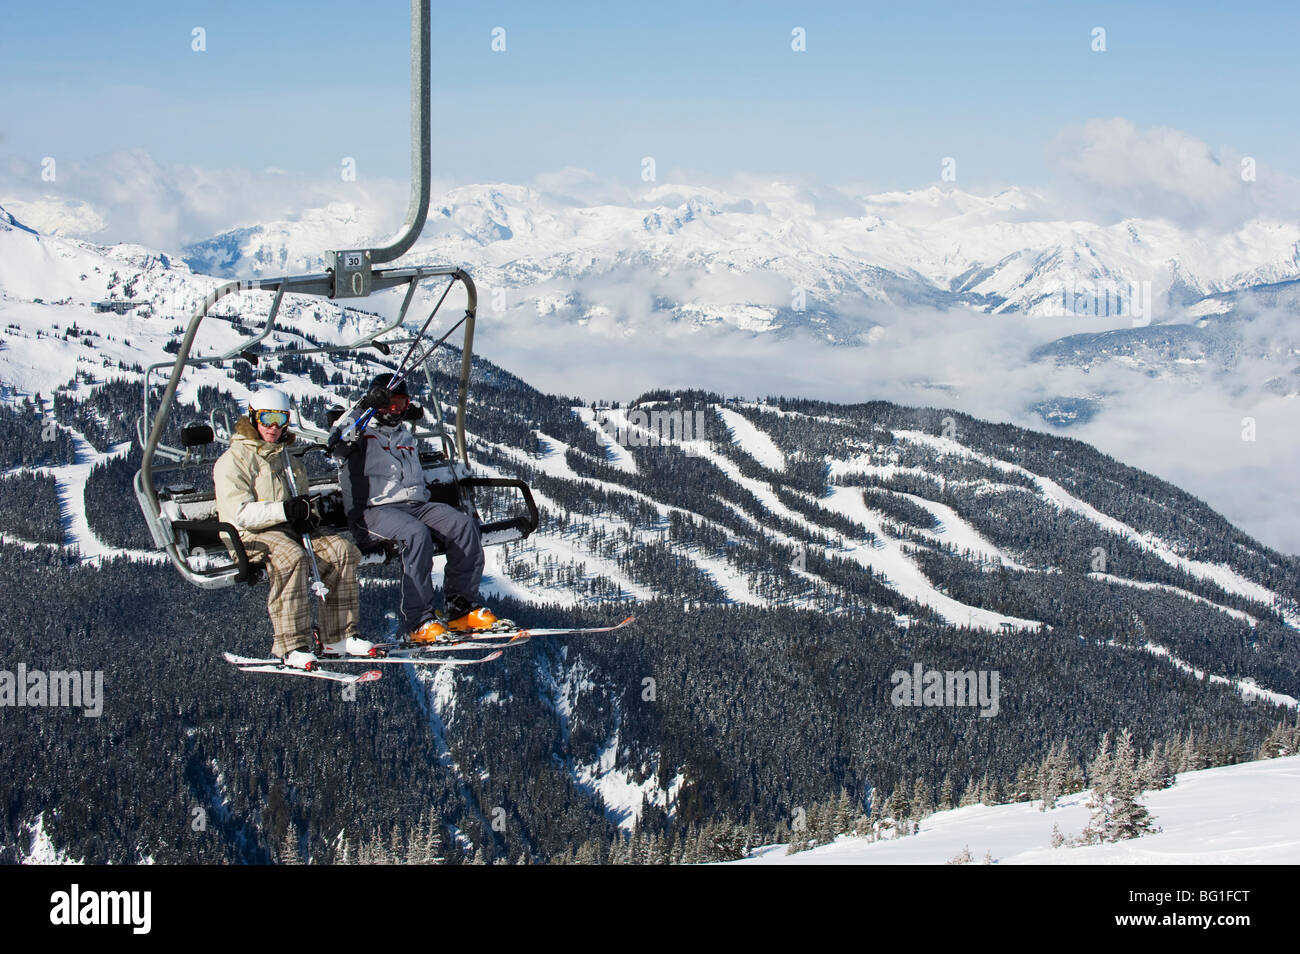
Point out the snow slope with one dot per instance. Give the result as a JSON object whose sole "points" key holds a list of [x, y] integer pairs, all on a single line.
{"points": [[753, 441], [1235, 814], [904, 575], [1224, 576]]}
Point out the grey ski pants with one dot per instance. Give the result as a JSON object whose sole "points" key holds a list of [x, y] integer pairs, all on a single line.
{"points": [[413, 526]]}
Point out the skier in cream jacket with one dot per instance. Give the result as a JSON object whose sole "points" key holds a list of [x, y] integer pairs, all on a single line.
{"points": [[253, 494]]}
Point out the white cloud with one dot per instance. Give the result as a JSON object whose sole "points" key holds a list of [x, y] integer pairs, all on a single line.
{"points": [[56, 215], [1113, 169], [1186, 430], [129, 197]]}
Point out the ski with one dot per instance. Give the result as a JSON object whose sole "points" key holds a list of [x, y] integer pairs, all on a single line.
{"points": [[422, 660], [433, 654], [273, 665], [432, 649], [483, 638], [562, 632]]}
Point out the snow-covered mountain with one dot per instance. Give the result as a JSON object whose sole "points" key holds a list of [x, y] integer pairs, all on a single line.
{"points": [[783, 557], [710, 255]]}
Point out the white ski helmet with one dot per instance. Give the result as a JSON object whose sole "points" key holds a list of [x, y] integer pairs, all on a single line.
{"points": [[268, 399]]}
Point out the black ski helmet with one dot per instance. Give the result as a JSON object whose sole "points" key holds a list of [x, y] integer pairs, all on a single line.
{"points": [[382, 416], [381, 381]]}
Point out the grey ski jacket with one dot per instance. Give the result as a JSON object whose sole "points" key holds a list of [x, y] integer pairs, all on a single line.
{"points": [[381, 465]]}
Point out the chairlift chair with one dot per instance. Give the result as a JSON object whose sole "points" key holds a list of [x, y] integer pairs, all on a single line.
{"points": [[183, 521]]}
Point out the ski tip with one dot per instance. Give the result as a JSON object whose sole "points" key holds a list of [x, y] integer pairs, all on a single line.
{"points": [[495, 655], [370, 675], [626, 621]]}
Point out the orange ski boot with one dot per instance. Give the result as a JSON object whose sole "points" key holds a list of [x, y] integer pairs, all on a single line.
{"points": [[470, 619], [430, 632]]}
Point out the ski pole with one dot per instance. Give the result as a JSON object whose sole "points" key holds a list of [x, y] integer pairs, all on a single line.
{"points": [[318, 586], [360, 422]]}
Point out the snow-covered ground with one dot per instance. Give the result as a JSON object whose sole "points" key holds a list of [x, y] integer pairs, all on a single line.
{"points": [[41, 850], [904, 575], [1236, 814], [1224, 576], [953, 531], [753, 441]]}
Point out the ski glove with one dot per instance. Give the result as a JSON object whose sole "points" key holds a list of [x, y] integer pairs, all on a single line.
{"points": [[300, 515], [377, 398], [413, 412]]}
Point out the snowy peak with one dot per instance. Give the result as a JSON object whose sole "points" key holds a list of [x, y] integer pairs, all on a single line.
{"points": [[290, 247], [1007, 251]]}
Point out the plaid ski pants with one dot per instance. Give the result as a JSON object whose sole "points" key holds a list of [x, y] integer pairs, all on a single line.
{"points": [[290, 601]]}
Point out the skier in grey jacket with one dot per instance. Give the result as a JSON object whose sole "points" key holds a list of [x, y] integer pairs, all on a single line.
{"points": [[387, 498]]}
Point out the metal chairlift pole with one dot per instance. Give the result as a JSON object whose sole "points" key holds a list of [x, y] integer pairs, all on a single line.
{"points": [[352, 267]]}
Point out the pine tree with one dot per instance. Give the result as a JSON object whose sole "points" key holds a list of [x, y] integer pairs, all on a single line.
{"points": [[844, 812], [589, 853], [1116, 812], [1099, 775], [290, 851], [799, 833], [824, 829], [1153, 771], [425, 847], [1053, 777], [920, 806], [1192, 758], [946, 794], [963, 857], [1128, 817], [691, 851], [1283, 740], [894, 811], [1025, 787]]}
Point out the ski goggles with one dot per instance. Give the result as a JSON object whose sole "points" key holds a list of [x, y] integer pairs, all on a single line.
{"points": [[272, 418], [398, 403]]}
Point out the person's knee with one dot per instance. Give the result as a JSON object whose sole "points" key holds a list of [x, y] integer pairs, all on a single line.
{"points": [[416, 536], [463, 530], [291, 560]]}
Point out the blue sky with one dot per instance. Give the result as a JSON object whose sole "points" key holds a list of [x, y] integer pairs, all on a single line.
{"points": [[883, 92]]}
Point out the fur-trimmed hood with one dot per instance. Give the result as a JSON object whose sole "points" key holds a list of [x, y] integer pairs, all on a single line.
{"points": [[250, 483], [246, 429]]}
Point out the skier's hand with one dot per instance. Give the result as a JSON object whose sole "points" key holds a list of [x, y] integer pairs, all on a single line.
{"points": [[342, 445], [377, 398], [300, 514]]}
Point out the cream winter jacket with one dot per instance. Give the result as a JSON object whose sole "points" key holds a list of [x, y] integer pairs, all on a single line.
{"points": [[250, 482]]}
